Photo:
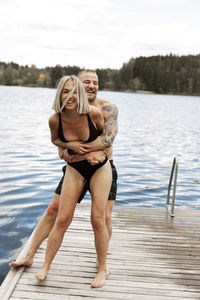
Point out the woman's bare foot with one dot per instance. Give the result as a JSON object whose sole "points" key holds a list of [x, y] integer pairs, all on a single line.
{"points": [[42, 274], [97, 262], [100, 278], [24, 261]]}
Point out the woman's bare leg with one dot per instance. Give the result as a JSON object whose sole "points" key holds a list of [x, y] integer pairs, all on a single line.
{"points": [[109, 207], [100, 187], [110, 204], [72, 187]]}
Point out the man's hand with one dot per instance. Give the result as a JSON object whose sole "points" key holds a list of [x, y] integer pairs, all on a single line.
{"points": [[95, 157], [61, 152], [78, 147], [66, 156]]}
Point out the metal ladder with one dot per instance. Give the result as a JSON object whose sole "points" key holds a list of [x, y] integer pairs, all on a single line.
{"points": [[174, 170]]}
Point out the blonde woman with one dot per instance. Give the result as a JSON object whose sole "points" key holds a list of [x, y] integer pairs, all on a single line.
{"points": [[74, 119]]}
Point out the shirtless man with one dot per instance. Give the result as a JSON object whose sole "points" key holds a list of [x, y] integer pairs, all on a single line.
{"points": [[94, 154]]}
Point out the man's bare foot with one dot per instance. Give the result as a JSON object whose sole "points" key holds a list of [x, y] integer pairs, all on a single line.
{"points": [[24, 261], [42, 274], [100, 278]]}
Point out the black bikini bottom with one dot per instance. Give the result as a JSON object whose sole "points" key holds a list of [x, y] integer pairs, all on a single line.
{"points": [[85, 168]]}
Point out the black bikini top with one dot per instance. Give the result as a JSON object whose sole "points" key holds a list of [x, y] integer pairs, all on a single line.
{"points": [[93, 131]]}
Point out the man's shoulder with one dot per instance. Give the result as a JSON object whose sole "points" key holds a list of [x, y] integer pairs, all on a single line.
{"points": [[106, 105], [103, 102], [107, 108]]}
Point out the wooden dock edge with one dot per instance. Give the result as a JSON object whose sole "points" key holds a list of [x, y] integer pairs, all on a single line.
{"points": [[13, 276]]}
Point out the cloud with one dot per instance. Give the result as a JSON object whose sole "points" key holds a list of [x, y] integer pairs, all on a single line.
{"points": [[95, 33]]}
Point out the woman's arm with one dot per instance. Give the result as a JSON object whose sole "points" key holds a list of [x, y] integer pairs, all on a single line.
{"points": [[97, 118], [92, 157], [76, 146], [53, 125], [64, 154]]}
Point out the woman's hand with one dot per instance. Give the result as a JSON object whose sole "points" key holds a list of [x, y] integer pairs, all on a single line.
{"points": [[78, 147]]}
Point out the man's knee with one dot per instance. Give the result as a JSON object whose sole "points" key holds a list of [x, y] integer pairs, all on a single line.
{"points": [[108, 218], [52, 209], [109, 208]]}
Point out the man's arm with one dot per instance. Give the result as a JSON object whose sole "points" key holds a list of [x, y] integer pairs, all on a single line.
{"points": [[105, 140], [92, 157]]}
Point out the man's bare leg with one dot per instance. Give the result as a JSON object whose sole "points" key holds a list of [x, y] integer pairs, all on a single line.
{"points": [[42, 231], [102, 178]]}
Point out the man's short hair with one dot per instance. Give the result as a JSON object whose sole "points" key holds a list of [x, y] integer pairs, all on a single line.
{"points": [[87, 71]]}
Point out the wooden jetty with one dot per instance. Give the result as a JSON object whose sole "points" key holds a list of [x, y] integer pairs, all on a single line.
{"points": [[151, 256]]}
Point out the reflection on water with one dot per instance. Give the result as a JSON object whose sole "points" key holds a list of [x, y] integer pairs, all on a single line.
{"points": [[152, 130]]}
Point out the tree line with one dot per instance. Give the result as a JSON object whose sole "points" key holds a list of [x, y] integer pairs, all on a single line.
{"points": [[169, 74]]}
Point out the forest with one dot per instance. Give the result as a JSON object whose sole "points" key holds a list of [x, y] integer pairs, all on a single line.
{"points": [[169, 74]]}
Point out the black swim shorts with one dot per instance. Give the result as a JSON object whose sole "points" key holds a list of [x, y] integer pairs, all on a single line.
{"points": [[113, 190]]}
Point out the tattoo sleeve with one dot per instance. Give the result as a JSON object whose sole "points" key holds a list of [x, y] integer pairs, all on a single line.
{"points": [[111, 127]]}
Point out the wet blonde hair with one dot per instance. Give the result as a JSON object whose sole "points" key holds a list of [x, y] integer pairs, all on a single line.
{"points": [[83, 105]]}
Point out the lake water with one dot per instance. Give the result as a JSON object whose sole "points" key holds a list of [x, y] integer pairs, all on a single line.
{"points": [[153, 129]]}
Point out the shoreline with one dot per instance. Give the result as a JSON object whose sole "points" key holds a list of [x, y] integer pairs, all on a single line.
{"points": [[110, 90]]}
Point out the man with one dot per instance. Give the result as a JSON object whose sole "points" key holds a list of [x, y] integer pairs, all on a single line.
{"points": [[94, 154]]}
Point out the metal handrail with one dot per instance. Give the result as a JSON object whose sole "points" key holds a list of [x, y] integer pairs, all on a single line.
{"points": [[174, 169]]}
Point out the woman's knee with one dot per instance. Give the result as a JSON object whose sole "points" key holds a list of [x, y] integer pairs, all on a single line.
{"points": [[98, 221], [63, 221]]}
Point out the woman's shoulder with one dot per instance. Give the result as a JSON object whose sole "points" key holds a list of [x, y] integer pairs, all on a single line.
{"points": [[96, 116], [53, 119], [94, 111]]}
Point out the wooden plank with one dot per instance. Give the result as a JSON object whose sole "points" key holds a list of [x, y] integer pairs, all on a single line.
{"points": [[151, 256], [115, 292], [58, 281], [116, 279]]}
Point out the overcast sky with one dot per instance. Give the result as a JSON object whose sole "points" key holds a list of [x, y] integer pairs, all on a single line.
{"points": [[96, 33]]}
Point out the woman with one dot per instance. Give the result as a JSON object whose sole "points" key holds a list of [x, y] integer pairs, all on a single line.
{"points": [[76, 120]]}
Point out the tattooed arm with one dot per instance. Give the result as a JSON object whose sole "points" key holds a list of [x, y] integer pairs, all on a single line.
{"points": [[110, 113]]}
